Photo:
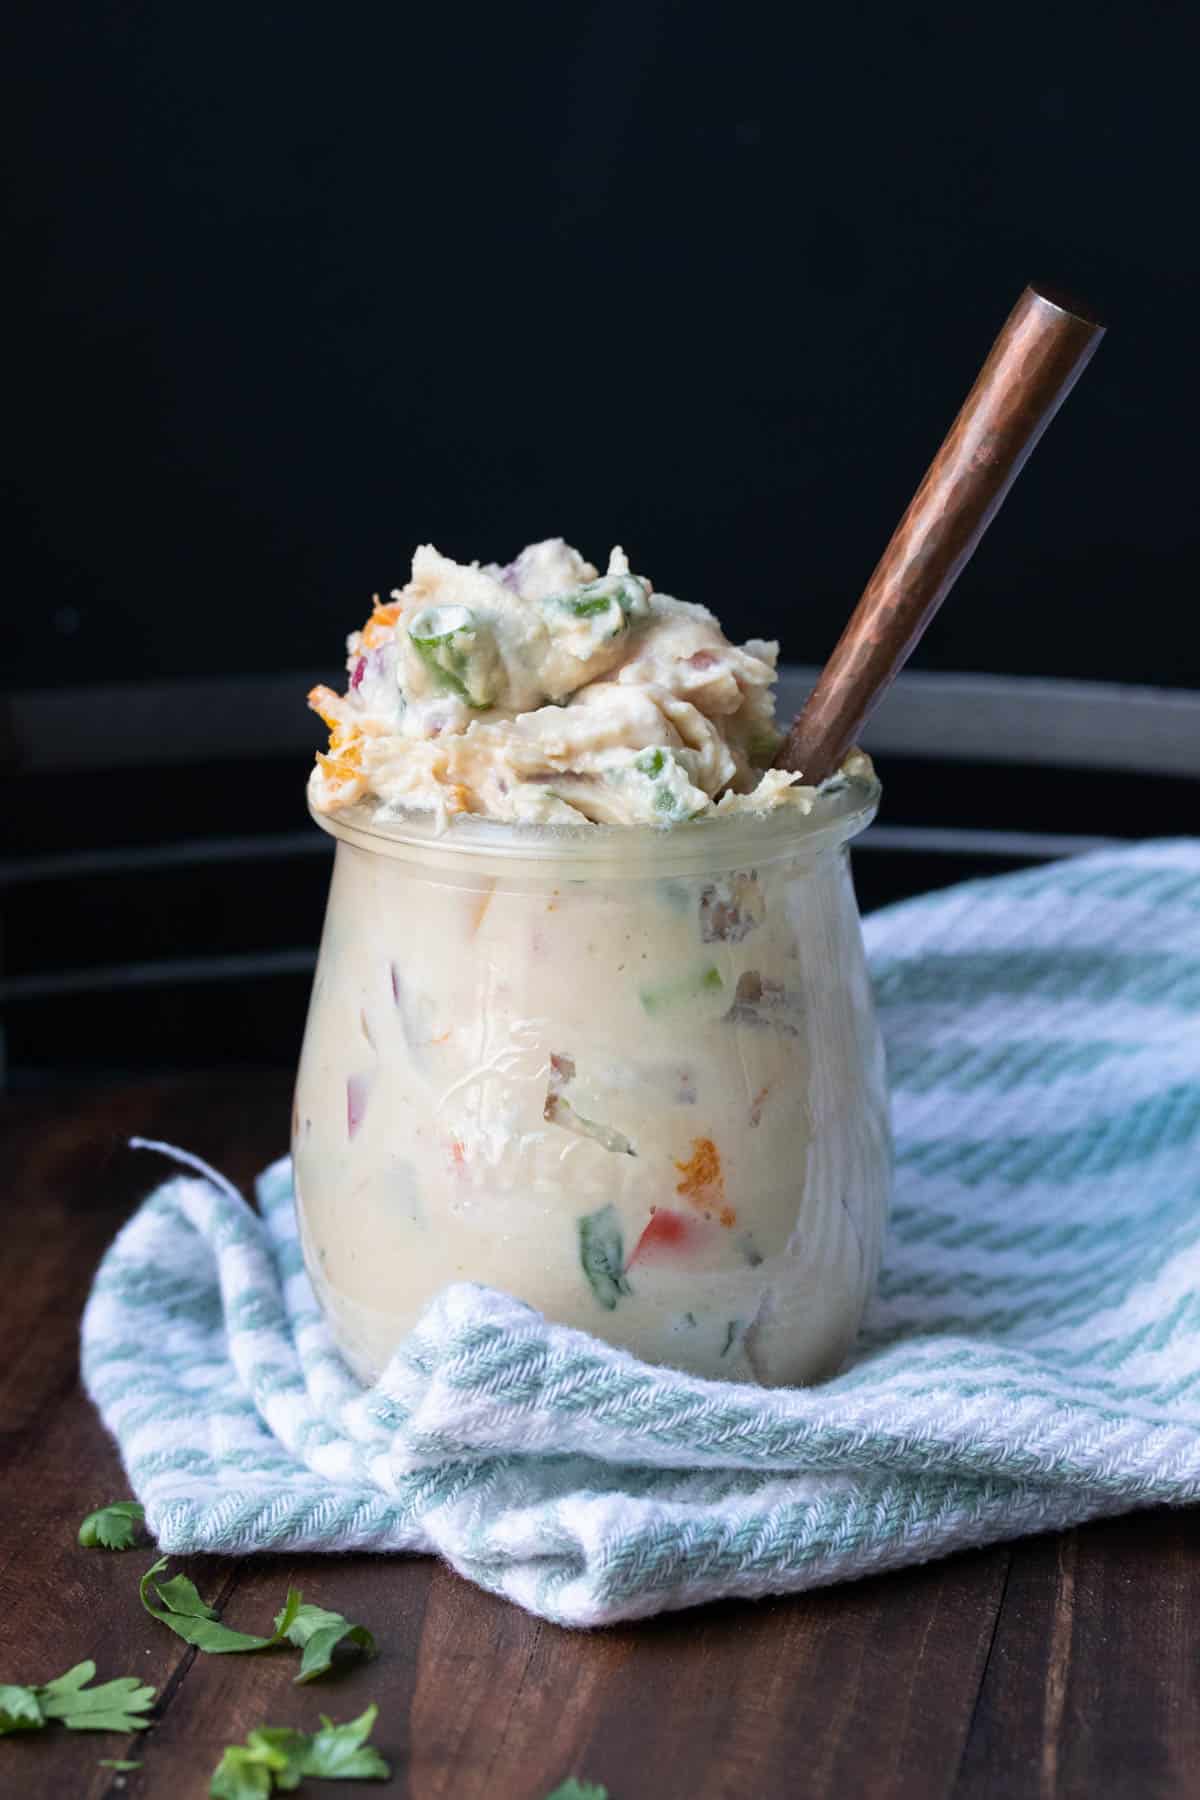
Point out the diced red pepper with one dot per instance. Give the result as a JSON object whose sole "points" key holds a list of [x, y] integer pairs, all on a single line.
{"points": [[669, 1234]]}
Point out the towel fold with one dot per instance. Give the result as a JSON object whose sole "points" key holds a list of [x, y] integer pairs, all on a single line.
{"points": [[1031, 1360]]}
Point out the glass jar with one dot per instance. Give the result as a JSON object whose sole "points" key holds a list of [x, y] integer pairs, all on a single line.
{"points": [[630, 1076]]}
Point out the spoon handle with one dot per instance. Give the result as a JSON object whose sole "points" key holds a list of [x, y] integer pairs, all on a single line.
{"points": [[1041, 352]]}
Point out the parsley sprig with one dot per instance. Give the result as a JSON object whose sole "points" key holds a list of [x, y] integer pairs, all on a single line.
{"points": [[318, 1633], [312, 1629], [275, 1758], [113, 1706], [112, 1527]]}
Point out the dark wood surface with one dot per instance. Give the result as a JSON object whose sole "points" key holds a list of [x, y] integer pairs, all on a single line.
{"points": [[1065, 1666]]}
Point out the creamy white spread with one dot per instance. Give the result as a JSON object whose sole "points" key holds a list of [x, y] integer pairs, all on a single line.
{"points": [[652, 1108], [545, 692]]}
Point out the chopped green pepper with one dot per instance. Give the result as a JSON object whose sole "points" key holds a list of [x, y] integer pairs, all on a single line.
{"points": [[671, 790], [605, 608], [459, 652], [602, 1255], [650, 762], [669, 994], [626, 592]]}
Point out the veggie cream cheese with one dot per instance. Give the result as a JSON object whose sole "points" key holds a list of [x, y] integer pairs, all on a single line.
{"points": [[629, 1075], [545, 692]]}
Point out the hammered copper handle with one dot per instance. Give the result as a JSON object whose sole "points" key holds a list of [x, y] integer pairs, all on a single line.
{"points": [[1043, 349]]}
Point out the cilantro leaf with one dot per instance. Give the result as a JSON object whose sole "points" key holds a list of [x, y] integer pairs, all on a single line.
{"points": [[275, 1759], [190, 1618], [19, 1709], [120, 1763], [578, 1790], [247, 1771], [341, 1752], [179, 1595], [113, 1706], [110, 1707], [112, 1527], [318, 1633], [312, 1629]]}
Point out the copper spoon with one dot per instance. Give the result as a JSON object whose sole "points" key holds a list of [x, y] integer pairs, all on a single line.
{"points": [[1043, 349]]}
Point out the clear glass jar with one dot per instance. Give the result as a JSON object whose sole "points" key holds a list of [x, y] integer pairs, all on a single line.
{"points": [[631, 1076]]}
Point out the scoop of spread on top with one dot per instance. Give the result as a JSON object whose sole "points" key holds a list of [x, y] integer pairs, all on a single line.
{"points": [[544, 692]]}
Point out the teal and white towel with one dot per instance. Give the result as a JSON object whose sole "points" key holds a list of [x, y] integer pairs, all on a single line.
{"points": [[1032, 1358]]}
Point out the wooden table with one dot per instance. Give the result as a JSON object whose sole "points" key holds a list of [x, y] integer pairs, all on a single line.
{"points": [[1058, 1666]]}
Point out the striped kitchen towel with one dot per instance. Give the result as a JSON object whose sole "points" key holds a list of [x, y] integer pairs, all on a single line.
{"points": [[1032, 1358]]}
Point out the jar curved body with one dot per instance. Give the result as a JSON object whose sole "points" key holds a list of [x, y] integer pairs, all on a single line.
{"points": [[644, 1093]]}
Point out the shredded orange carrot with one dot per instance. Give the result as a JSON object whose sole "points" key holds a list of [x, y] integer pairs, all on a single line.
{"points": [[702, 1170], [379, 626], [704, 1181], [342, 769], [326, 704], [343, 762]]}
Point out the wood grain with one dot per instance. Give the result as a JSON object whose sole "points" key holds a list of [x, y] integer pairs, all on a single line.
{"points": [[1093, 1686], [1064, 1666], [72, 1183]]}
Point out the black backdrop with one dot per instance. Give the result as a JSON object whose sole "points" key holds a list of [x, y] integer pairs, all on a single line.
{"points": [[297, 287]]}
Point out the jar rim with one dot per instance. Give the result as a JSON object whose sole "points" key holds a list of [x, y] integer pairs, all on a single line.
{"points": [[837, 814]]}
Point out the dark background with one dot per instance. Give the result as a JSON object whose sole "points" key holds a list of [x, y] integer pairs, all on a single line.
{"points": [[292, 289], [302, 286]]}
